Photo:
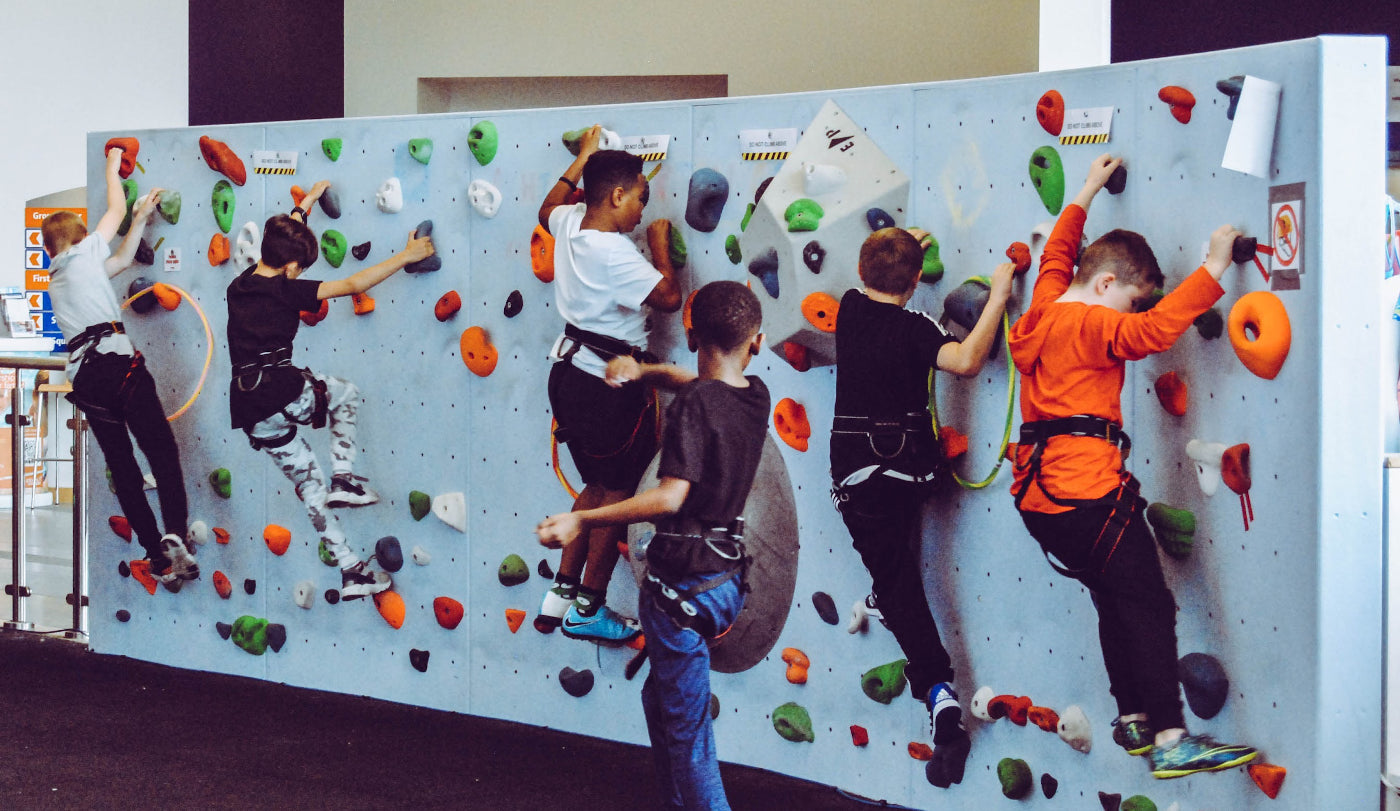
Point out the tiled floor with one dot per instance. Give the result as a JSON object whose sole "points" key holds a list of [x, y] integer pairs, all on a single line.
{"points": [[48, 535]]}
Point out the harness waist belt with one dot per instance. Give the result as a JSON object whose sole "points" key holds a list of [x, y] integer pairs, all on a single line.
{"points": [[913, 421], [281, 356], [606, 346], [1037, 432], [95, 333]]}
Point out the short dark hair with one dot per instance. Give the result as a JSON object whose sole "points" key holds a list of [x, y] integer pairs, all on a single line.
{"points": [[890, 260], [286, 240], [725, 315], [606, 170], [1126, 254]]}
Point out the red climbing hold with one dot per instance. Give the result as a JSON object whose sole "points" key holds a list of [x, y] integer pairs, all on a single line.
{"points": [[447, 306], [1020, 254], [129, 148], [1181, 102], [141, 570], [542, 254], [920, 751], [223, 160], [1016, 708], [222, 585], [796, 356], [859, 736], [514, 617], [1171, 391], [1268, 777], [121, 526], [1044, 717], [311, 319], [220, 535], [448, 611], [954, 442], [790, 421], [1050, 112]]}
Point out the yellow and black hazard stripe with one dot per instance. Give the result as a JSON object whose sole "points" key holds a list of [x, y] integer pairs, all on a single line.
{"points": [[764, 156], [648, 157], [1073, 140], [273, 170]]}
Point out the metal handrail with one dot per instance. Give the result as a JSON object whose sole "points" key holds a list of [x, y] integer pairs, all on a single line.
{"points": [[18, 588]]}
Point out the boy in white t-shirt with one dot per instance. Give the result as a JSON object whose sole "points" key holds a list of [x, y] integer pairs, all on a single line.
{"points": [[602, 286], [109, 377]]}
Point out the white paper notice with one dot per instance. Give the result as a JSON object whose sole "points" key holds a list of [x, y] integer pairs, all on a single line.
{"points": [[1251, 144]]}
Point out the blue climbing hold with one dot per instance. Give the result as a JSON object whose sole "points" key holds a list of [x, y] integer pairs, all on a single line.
{"points": [[708, 192], [765, 268], [389, 553], [878, 218]]}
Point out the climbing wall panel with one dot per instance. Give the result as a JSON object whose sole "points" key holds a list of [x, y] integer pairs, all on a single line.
{"points": [[1256, 599]]}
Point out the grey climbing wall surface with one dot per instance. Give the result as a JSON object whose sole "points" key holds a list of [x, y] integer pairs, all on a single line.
{"points": [[1289, 606]]}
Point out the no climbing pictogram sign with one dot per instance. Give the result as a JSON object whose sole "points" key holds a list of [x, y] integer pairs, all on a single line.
{"points": [[1286, 236]]}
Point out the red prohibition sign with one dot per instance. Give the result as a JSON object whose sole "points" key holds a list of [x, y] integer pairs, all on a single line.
{"points": [[1285, 235]]}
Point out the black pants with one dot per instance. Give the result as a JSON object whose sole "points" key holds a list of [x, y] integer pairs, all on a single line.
{"points": [[1137, 614], [115, 396], [610, 433], [883, 517]]}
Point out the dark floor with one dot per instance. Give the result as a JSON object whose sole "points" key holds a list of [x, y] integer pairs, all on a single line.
{"points": [[84, 730]]}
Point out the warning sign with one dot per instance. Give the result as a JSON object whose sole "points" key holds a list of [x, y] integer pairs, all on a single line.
{"points": [[1286, 236]]}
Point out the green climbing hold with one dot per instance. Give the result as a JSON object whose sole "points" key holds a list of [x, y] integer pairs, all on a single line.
{"points": [[803, 214], [129, 187], [744, 223], [513, 571], [573, 140], [170, 207], [421, 149], [1138, 802], [331, 147], [483, 140], [1175, 529], [222, 482], [1048, 177], [1211, 324], [933, 266], [333, 246], [1015, 777], [793, 723], [678, 252], [223, 202], [324, 553], [250, 634], [885, 682], [731, 249], [419, 504]]}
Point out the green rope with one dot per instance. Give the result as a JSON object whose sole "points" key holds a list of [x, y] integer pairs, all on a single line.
{"points": [[1010, 411]]}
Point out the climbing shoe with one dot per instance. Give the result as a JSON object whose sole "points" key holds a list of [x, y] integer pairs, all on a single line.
{"points": [[605, 626], [1134, 736], [362, 581], [1197, 753], [183, 565], [347, 491], [552, 610], [950, 742]]}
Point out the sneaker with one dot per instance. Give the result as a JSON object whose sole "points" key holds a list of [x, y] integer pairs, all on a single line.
{"points": [[552, 610], [864, 610], [1197, 753], [1134, 736], [362, 581], [183, 565], [606, 626], [347, 491]]}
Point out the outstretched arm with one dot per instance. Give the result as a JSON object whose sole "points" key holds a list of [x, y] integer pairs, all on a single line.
{"points": [[966, 358], [122, 257], [116, 198], [623, 370], [662, 500], [418, 248], [572, 176]]}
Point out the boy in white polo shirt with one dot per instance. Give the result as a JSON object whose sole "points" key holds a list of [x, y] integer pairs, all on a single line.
{"points": [[603, 286]]}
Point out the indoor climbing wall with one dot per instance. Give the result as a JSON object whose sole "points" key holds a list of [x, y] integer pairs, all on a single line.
{"points": [[1286, 601]]}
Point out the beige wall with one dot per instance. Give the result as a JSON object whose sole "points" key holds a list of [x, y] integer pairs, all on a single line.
{"points": [[764, 47]]}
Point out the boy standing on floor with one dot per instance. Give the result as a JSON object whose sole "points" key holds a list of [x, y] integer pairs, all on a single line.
{"points": [[110, 381], [602, 287], [885, 461], [269, 397], [1075, 495], [695, 563]]}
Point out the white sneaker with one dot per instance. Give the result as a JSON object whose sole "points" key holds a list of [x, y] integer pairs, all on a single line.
{"points": [[552, 610], [361, 581], [183, 565], [347, 491]]}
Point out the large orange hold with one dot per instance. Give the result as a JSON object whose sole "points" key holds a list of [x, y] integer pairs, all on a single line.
{"points": [[1181, 101], [1260, 333], [1268, 777], [311, 319], [514, 617], [820, 310], [790, 420], [223, 160], [797, 663], [478, 352], [141, 570], [1171, 391], [121, 526], [447, 306], [1050, 111], [166, 295], [449, 612], [542, 254], [1044, 717], [222, 585], [391, 608], [277, 538], [129, 148], [218, 252]]}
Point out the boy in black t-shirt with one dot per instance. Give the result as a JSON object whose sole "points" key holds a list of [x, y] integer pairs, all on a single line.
{"points": [[693, 592], [269, 397], [885, 460]]}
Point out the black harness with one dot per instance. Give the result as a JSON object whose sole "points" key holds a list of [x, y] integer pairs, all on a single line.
{"points": [[893, 442], [92, 335], [606, 346], [249, 375], [1124, 501], [685, 548], [95, 333]]}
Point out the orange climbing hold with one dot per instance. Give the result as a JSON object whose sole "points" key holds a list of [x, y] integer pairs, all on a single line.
{"points": [[129, 148], [954, 442], [685, 311], [222, 584], [223, 160], [790, 420], [311, 319], [797, 663], [1050, 111], [447, 306], [218, 252], [121, 526], [920, 751], [542, 254], [298, 194], [141, 570], [477, 351], [1260, 333], [1020, 255], [1044, 717], [820, 310], [166, 295], [449, 612], [638, 642], [364, 303], [220, 535], [1268, 777], [277, 538], [1016, 708], [796, 356], [1181, 102], [391, 608], [1171, 391], [514, 617]]}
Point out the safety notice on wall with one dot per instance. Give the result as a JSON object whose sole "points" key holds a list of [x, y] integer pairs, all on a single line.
{"points": [[767, 145], [1286, 236], [647, 147], [1089, 125]]}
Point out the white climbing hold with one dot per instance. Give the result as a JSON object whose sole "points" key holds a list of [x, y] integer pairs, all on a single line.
{"points": [[607, 139], [304, 593], [1207, 457], [452, 509], [980, 700], [198, 533], [247, 248], [421, 556], [389, 197], [484, 197], [821, 178], [1075, 730]]}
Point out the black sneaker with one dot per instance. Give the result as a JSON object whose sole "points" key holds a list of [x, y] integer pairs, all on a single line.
{"points": [[348, 491], [361, 581]]}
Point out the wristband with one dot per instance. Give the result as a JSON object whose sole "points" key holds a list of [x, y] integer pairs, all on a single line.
{"points": [[572, 185], [299, 210]]}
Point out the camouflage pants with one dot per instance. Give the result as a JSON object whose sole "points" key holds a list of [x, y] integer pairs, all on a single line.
{"points": [[298, 461]]}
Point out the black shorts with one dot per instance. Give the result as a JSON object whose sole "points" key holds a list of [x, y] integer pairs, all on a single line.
{"points": [[610, 433]]}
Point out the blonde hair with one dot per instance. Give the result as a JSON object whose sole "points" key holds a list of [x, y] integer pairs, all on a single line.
{"points": [[61, 230]]}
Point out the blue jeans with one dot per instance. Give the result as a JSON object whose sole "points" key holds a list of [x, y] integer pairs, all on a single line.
{"points": [[676, 699]]}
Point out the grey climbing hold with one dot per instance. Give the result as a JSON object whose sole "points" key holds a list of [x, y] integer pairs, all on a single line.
{"points": [[878, 218], [224, 629], [714, 706], [144, 254], [332, 596], [419, 659], [1204, 682], [826, 608], [514, 304], [765, 268], [123, 569], [432, 263], [709, 190], [123, 615], [575, 682], [812, 255], [389, 553], [330, 203], [1049, 785], [762, 187], [544, 571], [1118, 181], [1210, 324], [250, 585], [360, 251], [1231, 87], [276, 636], [146, 303]]}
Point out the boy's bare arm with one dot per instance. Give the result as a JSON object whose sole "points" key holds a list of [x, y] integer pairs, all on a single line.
{"points": [[418, 248], [662, 500], [623, 370], [310, 200], [125, 253], [116, 199], [1218, 257], [561, 190], [1100, 170], [666, 295], [966, 358]]}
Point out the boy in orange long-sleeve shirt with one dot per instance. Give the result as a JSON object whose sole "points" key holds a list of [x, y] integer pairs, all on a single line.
{"points": [[1072, 490]]}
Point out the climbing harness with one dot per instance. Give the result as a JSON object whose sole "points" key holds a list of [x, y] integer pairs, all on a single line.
{"points": [[1010, 412], [249, 375], [687, 547], [606, 346], [889, 441], [208, 344]]}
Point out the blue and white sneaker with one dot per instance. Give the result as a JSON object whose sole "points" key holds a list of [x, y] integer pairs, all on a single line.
{"points": [[606, 626], [1197, 753], [552, 610]]}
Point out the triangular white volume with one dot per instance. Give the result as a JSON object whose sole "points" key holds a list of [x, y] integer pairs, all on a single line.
{"points": [[452, 509]]}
